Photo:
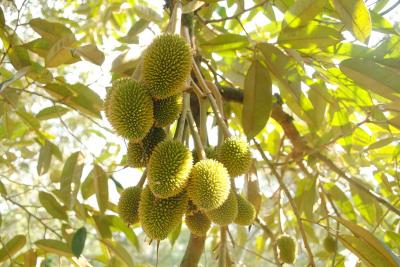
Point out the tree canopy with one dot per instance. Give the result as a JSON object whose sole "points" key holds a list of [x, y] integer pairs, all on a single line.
{"points": [[311, 86]]}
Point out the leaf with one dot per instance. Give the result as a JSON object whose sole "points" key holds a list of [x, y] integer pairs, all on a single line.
{"points": [[120, 252], [44, 158], [2, 20], [30, 258], [173, 236], [61, 53], [52, 206], [127, 61], [341, 200], [147, 13], [373, 76], [257, 99], [90, 53], [355, 16], [369, 240], [39, 46], [12, 247], [39, 73], [78, 242], [87, 187], [3, 190], [19, 57], [51, 31], [117, 223], [192, 6], [102, 226], [51, 112], [310, 36], [101, 186], [225, 42], [54, 246], [302, 12], [364, 251], [71, 172]]}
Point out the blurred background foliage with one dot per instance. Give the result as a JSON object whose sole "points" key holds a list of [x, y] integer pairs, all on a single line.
{"points": [[330, 137]]}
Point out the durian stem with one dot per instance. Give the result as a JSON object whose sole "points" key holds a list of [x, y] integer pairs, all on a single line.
{"points": [[213, 102], [196, 137], [222, 248], [203, 120], [193, 251], [175, 22], [142, 179], [181, 122]]}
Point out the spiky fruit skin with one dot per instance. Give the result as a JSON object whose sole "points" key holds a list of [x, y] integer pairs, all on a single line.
{"points": [[160, 216], [246, 211], [167, 110], [235, 155], [129, 109], [128, 205], [209, 184], [330, 244], [287, 248], [210, 153], [227, 212], [198, 223], [169, 168], [138, 153], [166, 65]]}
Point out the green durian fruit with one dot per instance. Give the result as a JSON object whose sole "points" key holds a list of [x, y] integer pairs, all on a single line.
{"points": [[138, 153], [246, 211], [167, 63], [330, 244], [198, 223], [159, 216], [227, 212], [167, 110], [128, 204], [235, 155], [129, 109], [209, 184], [169, 168], [287, 248]]}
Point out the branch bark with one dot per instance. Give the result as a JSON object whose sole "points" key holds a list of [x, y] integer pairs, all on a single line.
{"points": [[192, 255]]}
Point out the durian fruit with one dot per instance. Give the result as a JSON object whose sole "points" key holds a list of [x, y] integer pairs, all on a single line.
{"points": [[246, 211], [129, 109], [198, 223], [160, 216], [128, 204], [227, 212], [167, 63], [169, 168], [287, 248], [235, 155], [330, 244], [209, 184], [138, 153], [210, 153], [167, 110]]}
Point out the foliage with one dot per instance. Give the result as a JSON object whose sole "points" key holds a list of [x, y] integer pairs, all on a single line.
{"points": [[313, 85]]}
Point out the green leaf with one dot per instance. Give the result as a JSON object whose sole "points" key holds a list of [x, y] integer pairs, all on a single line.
{"points": [[355, 16], [341, 200], [12, 247], [87, 187], [373, 76], [127, 61], [52, 206], [366, 253], [52, 112], [19, 57], [3, 190], [61, 53], [303, 11], [102, 225], [90, 53], [173, 236], [71, 173], [147, 13], [30, 258], [51, 31], [310, 36], [44, 158], [101, 186], [39, 46], [2, 20], [373, 245], [257, 99], [54, 246], [39, 73], [116, 222], [120, 252], [225, 42], [78, 242]]}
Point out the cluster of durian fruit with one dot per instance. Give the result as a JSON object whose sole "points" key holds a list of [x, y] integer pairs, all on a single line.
{"points": [[178, 184]]}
